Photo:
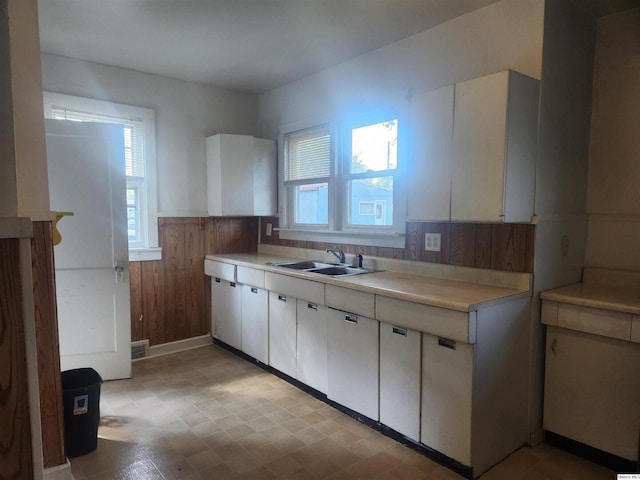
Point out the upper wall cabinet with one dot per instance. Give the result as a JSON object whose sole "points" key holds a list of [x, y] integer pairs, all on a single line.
{"points": [[241, 175], [494, 148], [431, 120]]}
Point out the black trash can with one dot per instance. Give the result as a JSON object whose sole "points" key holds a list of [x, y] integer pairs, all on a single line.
{"points": [[81, 402]]}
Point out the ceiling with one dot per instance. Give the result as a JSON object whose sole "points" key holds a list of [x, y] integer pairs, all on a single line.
{"points": [[248, 45]]}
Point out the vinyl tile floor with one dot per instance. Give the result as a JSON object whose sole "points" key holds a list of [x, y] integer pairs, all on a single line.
{"points": [[208, 414]]}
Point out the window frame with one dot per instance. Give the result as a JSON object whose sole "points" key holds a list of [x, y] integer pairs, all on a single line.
{"points": [[289, 186], [148, 246], [346, 176], [338, 231]]}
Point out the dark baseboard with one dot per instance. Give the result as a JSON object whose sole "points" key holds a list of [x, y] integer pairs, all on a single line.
{"points": [[434, 455], [595, 455]]}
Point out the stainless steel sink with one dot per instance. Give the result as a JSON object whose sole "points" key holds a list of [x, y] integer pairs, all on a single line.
{"points": [[303, 265], [324, 268], [341, 271]]}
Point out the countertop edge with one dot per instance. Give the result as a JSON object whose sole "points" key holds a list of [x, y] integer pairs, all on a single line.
{"points": [[586, 301]]}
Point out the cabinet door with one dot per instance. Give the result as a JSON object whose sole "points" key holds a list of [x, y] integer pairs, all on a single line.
{"points": [[494, 148], [447, 381], [255, 322], [230, 174], [282, 333], [312, 345], [400, 354], [479, 138], [592, 390], [431, 130], [265, 178], [353, 362], [226, 311]]}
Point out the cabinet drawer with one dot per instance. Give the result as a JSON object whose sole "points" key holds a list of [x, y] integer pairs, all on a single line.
{"points": [[295, 287], [594, 320], [460, 326], [250, 276], [349, 300], [222, 270], [549, 313]]}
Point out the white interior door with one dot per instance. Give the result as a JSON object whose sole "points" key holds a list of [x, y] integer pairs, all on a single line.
{"points": [[87, 177]]}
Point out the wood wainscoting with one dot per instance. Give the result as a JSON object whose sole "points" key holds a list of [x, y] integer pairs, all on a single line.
{"points": [[503, 246], [170, 298], [16, 460]]}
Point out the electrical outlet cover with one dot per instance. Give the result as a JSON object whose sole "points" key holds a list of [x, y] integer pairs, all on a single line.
{"points": [[432, 242]]}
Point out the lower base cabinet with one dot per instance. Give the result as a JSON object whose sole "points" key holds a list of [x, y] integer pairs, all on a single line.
{"points": [[255, 322], [311, 345], [226, 308], [282, 333], [447, 393], [353, 361], [592, 390], [400, 353]]}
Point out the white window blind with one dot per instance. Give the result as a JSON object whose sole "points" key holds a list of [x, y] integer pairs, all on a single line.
{"points": [[307, 154], [133, 135]]}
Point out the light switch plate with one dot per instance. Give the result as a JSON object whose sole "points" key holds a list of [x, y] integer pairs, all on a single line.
{"points": [[432, 242], [269, 229]]}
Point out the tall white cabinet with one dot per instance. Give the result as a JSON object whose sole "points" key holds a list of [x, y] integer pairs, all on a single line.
{"points": [[241, 175], [494, 148]]}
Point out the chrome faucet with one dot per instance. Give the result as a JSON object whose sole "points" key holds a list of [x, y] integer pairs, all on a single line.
{"points": [[338, 253]]}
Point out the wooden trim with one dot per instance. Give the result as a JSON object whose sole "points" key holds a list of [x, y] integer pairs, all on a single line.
{"points": [[47, 342], [16, 459]]}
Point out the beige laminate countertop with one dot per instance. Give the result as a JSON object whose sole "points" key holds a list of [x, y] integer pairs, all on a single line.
{"points": [[449, 294], [618, 298]]}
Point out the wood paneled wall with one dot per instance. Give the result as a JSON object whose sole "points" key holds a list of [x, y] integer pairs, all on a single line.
{"points": [[507, 247], [170, 298], [15, 423], [48, 346]]}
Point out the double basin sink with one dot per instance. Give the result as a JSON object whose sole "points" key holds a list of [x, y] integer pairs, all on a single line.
{"points": [[323, 268]]}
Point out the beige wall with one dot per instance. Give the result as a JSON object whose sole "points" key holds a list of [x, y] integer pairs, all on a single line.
{"points": [[185, 113], [613, 197], [507, 34]]}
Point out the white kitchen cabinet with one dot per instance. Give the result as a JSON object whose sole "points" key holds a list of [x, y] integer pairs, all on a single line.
{"points": [[241, 175], [226, 312], [400, 367], [473, 394], [431, 133], [592, 390], [494, 148], [255, 322], [447, 389], [353, 362], [311, 346], [282, 333]]}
